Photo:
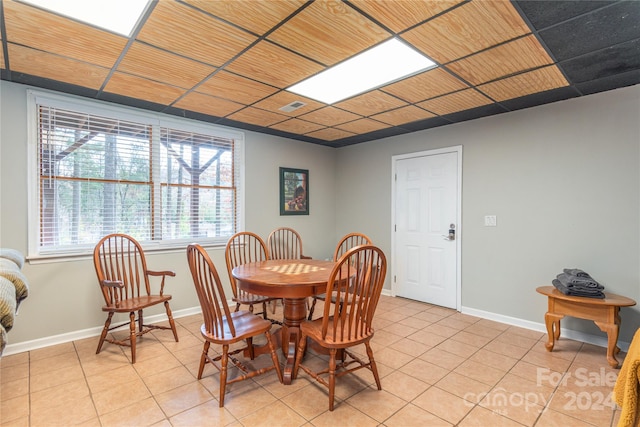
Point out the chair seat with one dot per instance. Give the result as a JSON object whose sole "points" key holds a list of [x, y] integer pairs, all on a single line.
{"points": [[136, 303], [313, 329], [246, 324], [249, 298]]}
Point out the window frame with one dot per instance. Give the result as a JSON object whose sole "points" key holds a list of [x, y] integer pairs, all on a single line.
{"points": [[153, 119]]}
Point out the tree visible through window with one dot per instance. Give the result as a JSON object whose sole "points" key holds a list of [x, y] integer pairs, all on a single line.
{"points": [[100, 175]]}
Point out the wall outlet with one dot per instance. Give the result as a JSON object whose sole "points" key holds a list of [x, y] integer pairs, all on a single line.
{"points": [[490, 221]]}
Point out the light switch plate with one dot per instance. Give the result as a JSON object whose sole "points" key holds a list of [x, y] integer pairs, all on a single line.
{"points": [[490, 221]]}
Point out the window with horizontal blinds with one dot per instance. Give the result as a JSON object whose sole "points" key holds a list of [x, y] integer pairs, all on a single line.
{"points": [[164, 183]]}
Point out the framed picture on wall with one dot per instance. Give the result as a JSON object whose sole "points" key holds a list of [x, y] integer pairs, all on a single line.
{"points": [[294, 191]]}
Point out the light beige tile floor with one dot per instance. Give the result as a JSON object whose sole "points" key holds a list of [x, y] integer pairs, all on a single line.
{"points": [[438, 368]]}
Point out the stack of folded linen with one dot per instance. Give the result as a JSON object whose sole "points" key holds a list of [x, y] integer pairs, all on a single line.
{"points": [[573, 281]]}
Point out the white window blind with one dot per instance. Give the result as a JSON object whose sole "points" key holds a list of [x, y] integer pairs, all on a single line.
{"points": [[101, 174]]}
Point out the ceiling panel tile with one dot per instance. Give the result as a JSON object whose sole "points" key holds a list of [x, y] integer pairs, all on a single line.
{"points": [[400, 15], [208, 104], [371, 103], [539, 80], [330, 134], [403, 115], [363, 126], [137, 87], [297, 126], [181, 29], [257, 116], [426, 85], [271, 64], [609, 83], [618, 59], [516, 56], [597, 30], [280, 99], [544, 13], [38, 29], [454, 102], [467, 29], [155, 64], [328, 23], [54, 67], [329, 116], [255, 16], [231, 86]]}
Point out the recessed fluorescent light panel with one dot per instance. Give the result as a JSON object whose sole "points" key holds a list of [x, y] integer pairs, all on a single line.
{"points": [[385, 63], [119, 16]]}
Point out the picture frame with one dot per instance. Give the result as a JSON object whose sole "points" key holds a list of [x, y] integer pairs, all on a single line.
{"points": [[294, 191]]}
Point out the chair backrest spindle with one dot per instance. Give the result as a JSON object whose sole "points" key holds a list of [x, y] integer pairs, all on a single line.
{"points": [[210, 292]]}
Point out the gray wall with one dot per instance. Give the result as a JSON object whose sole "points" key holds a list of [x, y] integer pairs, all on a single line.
{"points": [[563, 180]]}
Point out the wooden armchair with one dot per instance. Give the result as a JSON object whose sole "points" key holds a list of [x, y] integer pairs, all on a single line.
{"points": [[242, 248], [348, 324], [223, 327], [347, 242], [124, 280]]}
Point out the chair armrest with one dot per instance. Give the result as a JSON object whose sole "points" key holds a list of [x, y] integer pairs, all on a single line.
{"points": [[161, 273], [164, 274], [113, 283]]}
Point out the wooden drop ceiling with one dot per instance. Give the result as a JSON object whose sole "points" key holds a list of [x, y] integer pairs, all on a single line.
{"points": [[230, 62]]}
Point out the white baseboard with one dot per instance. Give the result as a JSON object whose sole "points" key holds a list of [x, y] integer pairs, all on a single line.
{"points": [[86, 333], [514, 321], [600, 341]]}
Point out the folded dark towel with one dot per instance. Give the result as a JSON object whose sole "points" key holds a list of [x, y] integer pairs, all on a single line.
{"points": [[578, 292], [575, 281], [576, 272]]}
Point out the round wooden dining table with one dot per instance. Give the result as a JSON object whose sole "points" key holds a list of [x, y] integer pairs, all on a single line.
{"points": [[293, 280]]}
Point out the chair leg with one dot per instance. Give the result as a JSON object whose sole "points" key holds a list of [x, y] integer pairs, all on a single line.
{"points": [[203, 358], [274, 356], [171, 322], [332, 376], [132, 335], [238, 307], [252, 353], [264, 310], [313, 307], [301, 347], [140, 321], [223, 372], [104, 333], [374, 368]]}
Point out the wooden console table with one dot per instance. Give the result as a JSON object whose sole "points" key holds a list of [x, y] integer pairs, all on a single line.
{"points": [[603, 311]]}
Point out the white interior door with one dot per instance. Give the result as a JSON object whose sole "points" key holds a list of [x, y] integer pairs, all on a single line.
{"points": [[426, 235]]}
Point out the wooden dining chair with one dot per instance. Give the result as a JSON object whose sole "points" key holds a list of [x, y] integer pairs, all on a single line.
{"points": [[363, 268], [242, 248], [224, 328], [124, 280], [347, 242], [284, 243]]}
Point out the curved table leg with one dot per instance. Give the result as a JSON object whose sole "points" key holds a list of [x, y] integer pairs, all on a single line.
{"points": [[295, 312], [612, 331], [552, 321]]}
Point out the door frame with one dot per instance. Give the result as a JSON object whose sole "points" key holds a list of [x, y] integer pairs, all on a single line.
{"points": [[394, 159]]}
